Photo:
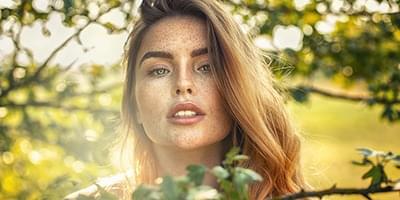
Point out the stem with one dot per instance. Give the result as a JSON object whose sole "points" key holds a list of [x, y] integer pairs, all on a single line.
{"points": [[339, 191]]}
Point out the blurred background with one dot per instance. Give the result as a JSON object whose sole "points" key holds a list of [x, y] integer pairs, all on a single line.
{"points": [[338, 62]]}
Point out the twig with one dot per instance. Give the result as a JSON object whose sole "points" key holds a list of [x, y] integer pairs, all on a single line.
{"points": [[340, 191]]}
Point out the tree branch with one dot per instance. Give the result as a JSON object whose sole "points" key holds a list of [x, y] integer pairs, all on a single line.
{"points": [[57, 106], [340, 191], [343, 95], [45, 63], [51, 56]]}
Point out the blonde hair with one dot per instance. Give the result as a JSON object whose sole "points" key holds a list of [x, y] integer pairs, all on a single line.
{"points": [[262, 127]]}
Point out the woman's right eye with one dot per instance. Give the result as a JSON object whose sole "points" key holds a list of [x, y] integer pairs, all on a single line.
{"points": [[159, 71]]}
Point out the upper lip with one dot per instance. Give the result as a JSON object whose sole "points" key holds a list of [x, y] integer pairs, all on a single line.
{"points": [[185, 106]]}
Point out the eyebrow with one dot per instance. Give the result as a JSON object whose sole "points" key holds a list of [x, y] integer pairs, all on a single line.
{"points": [[164, 54]]}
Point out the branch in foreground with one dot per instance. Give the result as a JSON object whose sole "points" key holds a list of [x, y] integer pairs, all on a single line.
{"points": [[341, 191]]}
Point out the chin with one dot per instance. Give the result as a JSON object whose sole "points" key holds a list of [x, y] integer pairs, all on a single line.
{"points": [[188, 142]]}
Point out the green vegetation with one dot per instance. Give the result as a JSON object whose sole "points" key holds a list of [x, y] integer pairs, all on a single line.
{"points": [[331, 131], [57, 122]]}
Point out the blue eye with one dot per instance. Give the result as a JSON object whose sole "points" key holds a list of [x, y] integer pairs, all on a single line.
{"points": [[205, 68], [159, 71]]}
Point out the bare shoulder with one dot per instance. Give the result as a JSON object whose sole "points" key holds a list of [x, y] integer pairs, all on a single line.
{"points": [[121, 185]]}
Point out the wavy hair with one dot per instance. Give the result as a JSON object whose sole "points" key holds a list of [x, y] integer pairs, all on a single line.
{"points": [[262, 127]]}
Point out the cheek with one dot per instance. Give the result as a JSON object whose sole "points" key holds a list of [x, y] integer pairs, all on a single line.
{"points": [[149, 98], [220, 115]]}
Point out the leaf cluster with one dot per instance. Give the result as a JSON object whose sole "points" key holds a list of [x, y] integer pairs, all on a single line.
{"points": [[233, 182], [377, 161]]}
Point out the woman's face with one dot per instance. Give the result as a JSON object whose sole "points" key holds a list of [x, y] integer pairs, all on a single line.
{"points": [[177, 99]]}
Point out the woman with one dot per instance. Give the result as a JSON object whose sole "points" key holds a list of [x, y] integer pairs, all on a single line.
{"points": [[194, 86]]}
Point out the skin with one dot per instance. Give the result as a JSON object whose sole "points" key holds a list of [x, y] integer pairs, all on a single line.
{"points": [[162, 81]]}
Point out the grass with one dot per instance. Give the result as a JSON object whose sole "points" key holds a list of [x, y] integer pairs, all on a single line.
{"points": [[331, 131]]}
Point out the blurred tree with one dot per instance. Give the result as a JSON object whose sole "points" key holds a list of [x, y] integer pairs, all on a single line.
{"points": [[57, 121], [343, 40]]}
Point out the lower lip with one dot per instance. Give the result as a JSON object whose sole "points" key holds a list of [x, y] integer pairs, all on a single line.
{"points": [[186, 120]]}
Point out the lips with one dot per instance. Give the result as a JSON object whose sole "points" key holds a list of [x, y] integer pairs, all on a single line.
{"points": [[185, 114]]}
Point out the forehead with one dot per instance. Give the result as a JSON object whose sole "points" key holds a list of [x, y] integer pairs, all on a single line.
{"points": [[175, 34]]}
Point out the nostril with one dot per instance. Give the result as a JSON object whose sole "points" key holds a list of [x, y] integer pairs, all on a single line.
{"points": [[189, 91]]}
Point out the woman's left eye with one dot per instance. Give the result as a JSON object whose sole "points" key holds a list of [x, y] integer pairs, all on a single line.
{"points": [[159, 72], [205, 68]]}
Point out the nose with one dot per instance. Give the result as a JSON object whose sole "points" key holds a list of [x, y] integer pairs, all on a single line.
{"points": [[184, 84], [179, 91]]}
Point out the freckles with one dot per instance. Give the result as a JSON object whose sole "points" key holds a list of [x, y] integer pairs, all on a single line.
{"points": [[185, 139], [169, 39]]}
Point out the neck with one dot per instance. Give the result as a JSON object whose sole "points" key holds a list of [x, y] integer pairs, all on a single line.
{"points": [[173, 161]]}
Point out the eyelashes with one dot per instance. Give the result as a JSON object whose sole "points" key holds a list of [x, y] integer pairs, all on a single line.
{"points": [[205, 68], [161, 71]]}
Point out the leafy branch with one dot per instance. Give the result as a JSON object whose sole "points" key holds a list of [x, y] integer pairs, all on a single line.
{"points": [[233, 182], [380, 183]]}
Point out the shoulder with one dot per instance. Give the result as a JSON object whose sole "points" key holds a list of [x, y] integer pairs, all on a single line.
{"points": [[121, 185]]}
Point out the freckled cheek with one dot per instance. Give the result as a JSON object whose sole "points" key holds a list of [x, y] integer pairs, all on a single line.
{"points": [[216, 105], [152, 101]]}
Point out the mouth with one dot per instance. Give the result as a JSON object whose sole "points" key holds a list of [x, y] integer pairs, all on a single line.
{"points": [[185, 114]]}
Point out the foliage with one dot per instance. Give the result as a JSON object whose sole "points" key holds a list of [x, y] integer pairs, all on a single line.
{"points": [[346, 41], [377, 172], [380, 182], [233, 181], [57, 121]]}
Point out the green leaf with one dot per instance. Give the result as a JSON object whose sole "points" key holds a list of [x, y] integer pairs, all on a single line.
{"points": [[182, 181], [240, 182], [203, 193], [220, 172], [370, 172], [253, 176], [300, 94], [365, 151], [377, 175], [170, 189], [240, 157], [196, 173], [242, 178], [146, 193], [230, 155]]}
